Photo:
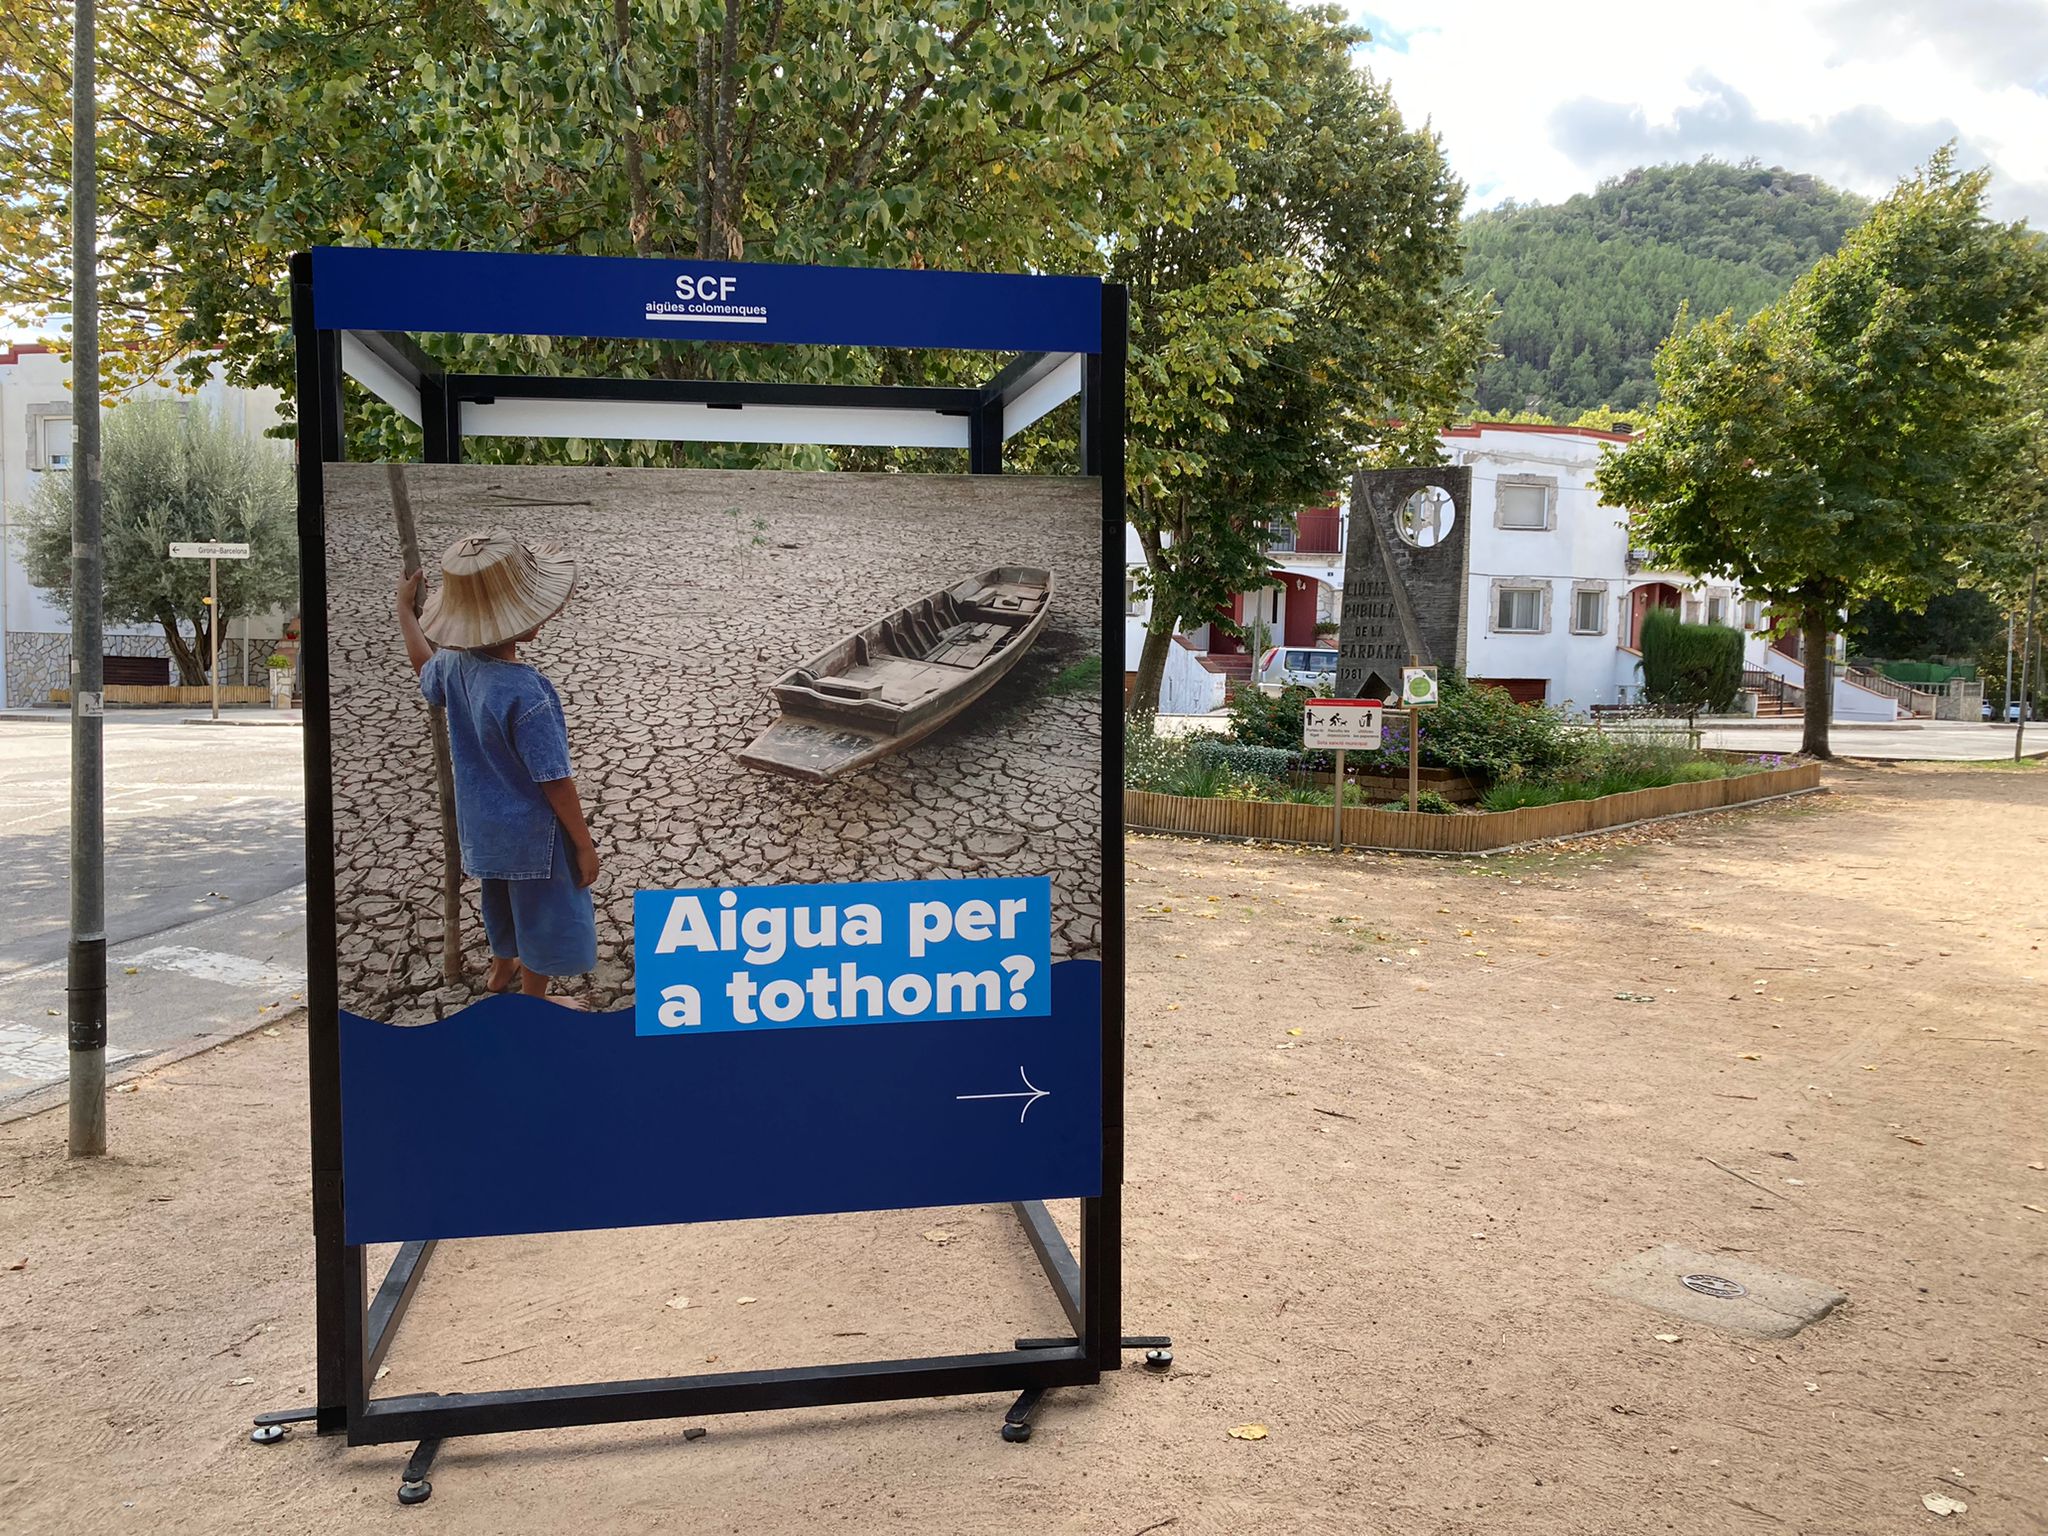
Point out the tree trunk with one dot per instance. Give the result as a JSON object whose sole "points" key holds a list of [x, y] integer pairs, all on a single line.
{"points": [[1151, 671], [191, 671], [1814, 621]]}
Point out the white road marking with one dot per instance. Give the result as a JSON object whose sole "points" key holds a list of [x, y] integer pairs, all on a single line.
{"points": [[217, 965]]}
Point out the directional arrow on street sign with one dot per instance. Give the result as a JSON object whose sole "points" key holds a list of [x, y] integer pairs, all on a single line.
{"points": [[209, 550], [1031, 1094]]}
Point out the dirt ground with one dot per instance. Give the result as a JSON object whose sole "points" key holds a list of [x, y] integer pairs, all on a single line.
{"points": [[1376, 1237]]}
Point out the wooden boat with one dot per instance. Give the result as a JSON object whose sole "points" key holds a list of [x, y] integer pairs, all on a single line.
{"points": [[903, 676]]}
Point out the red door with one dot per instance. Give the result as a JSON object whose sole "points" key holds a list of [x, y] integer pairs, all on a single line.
{"points": [[1299, 627]]}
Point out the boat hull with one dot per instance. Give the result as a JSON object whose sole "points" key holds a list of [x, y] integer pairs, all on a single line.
{"points": [[836, 719]]}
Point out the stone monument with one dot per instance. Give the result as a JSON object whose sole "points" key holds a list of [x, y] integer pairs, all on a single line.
{"points": [[1405, 566]]}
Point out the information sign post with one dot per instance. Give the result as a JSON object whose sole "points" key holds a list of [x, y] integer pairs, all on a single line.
{"points": [[212, 551], [1338, 725], [1418, 692]]}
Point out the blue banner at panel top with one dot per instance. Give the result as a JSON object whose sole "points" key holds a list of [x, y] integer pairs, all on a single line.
{"points": [[868, 952], [358, 288]]}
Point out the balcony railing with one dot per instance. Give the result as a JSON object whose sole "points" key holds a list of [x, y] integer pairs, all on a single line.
{"points": [[1319, 531]]}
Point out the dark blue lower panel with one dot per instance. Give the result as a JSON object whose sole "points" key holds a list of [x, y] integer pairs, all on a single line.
{"points": [[517, 1115]]}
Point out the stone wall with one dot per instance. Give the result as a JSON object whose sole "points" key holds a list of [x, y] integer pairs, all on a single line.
{"points": [[697, 589], [39, 660]]}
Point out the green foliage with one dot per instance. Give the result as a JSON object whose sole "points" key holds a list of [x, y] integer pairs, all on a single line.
{"points": [[1429, 802], [1588, 288], [1611, 765], [1083, 677], [1483, 732], [1170, 765], [1269, 720], [1278, 328], [1689, 669], [1243, 758], [172, 472], [1819, 451], [992, 135], [277, 661], [1961, 623]]}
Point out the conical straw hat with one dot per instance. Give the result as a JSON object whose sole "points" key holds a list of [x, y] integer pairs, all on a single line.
{"points": [[494, 588]]}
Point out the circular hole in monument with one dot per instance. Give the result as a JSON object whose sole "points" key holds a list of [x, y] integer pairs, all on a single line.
{"points": [[1427, 517]]}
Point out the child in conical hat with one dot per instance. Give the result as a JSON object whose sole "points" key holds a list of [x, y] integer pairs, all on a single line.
{"points": [[517, 813]]}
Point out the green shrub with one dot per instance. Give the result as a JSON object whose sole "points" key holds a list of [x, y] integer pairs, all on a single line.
{"points": [[1260, 719], [1483, 732], [1253, 761], [1430, 803], [1690, 668]]}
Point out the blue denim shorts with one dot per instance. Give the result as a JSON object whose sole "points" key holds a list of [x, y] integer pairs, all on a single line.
{"points": [[549, 924]]}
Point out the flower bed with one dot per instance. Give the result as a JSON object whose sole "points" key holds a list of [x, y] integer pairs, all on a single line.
{"points": [[1397, 831]]}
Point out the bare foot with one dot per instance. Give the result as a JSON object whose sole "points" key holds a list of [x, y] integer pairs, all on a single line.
{"points": [[576, 1003], [503, 975]]}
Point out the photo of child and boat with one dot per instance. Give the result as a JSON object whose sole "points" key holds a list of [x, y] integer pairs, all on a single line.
{"points": [[752, 678]]}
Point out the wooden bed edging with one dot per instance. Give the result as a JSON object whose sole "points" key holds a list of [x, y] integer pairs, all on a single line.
{"points": [[1398, 832]]}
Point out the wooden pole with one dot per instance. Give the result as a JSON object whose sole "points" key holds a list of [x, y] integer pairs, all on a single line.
{"points": [[1337, 805], [444, 768], [1414, 749], [1414, 760]]}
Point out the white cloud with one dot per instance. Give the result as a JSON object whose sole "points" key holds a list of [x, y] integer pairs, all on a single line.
{"points": [[1537, 103]]}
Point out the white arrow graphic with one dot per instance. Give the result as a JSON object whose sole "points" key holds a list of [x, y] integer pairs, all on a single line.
{"points": [[1031, 1094]]}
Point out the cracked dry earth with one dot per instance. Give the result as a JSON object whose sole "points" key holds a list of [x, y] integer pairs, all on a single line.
{"points": [[696, 588]]}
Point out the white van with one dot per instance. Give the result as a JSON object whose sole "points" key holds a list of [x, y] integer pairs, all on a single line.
{"points": [[1312, 666]]}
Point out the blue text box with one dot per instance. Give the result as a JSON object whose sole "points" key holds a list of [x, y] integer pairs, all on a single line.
{"points": [[871, 952]]}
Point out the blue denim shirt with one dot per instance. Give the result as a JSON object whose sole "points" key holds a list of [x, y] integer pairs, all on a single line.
{"points": [[507, 737]]}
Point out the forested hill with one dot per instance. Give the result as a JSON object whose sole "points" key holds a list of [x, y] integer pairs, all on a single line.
{"points": [[1588, 287]]}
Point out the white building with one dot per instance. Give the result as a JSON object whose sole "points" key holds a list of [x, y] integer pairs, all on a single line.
{"points": [[1555, 597], [35, 436]]}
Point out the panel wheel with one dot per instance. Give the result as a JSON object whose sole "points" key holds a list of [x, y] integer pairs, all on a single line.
{"points": [[1016, 1434]]}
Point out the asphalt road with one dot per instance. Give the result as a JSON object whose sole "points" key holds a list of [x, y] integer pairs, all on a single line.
{"points": [[205, 877], [1920, 741]]}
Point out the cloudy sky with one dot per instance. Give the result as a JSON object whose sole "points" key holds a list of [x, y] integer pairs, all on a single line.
{"points": [[1536, 102]]}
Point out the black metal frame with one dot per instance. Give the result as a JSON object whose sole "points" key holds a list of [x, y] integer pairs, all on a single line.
{"points": [[353, 1330]]}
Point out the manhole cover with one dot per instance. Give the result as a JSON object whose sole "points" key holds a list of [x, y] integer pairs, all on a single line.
{"points": [[1718, 1286]]}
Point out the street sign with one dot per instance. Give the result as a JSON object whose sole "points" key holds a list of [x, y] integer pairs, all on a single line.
{"points": [[1341, 725], [211, 549], [1418, 687]]}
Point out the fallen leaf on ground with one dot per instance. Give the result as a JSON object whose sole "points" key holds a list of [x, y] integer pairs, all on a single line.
{"points": [[271, 1031], [745, 1301], [1294, 1032], [1913, 1140], [1942, 1504], [2037, 1167], [382, 1372], [243, 1381], [1670, 1338], [124, 1087], [1248, 1432], [132, 970], [677, 1303], [1752, 1056], [2026, 1207], [18, 1264], [936, 1235]]}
